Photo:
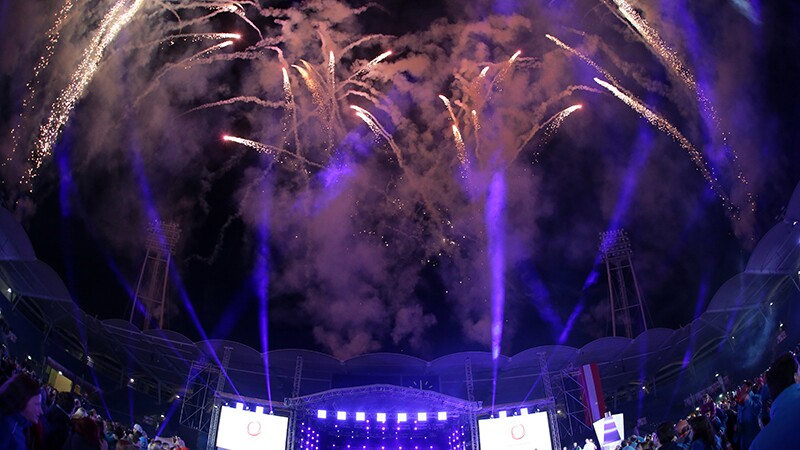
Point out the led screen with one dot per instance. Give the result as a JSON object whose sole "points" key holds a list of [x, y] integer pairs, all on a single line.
{"points": [[245, 430], [529, 432]]}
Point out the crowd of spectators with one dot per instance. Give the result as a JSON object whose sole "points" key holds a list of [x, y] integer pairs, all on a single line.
{"points": [[34, 416], [761, 414]]}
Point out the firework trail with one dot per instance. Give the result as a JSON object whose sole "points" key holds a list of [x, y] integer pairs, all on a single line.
{"points": [[364, 39], [652, 38], [291, 107], [236, 8], [269, 149], [374, 62], [332, 66], [673, 61], [585, 58], [449, 109], [663, 125], [462, 149], [376, 128], [498, 80], [111, 25], [191, 37], [202, 53], [660, 123], [53, 35], [240, 99], [558, 119], [553, 123], [311, 84], [185, 64]]}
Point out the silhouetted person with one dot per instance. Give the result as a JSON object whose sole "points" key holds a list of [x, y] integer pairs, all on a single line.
{"points": [[781, 432], [665, 437], [703, 436], [20, 407]]}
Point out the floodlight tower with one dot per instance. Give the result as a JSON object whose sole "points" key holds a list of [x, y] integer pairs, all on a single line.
{"points": [[151, 289], [623, 289]]}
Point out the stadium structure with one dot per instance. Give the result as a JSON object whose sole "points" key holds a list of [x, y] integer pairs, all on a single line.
{"points": [[311, 400]]}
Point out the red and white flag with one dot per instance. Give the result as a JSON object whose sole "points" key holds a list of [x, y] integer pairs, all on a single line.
{"points": [[592, 393]]}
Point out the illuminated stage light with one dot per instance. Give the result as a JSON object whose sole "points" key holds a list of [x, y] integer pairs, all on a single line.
{"points": [[381, 417], [360, 417], [259, 409], [442, 415], [402, 417], [523, 411], [239, 405], [422, 417], [322, 414], [341, 415], [502, 414]]}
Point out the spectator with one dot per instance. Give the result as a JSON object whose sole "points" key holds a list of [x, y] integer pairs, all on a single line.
{"points": [[749, 412], [20, 406], [85, 435], [56, 420], [665, 437], [703, 436], [684, 433], [785, 412]]}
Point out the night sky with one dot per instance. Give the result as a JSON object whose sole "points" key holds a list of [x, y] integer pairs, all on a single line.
{"points": [[348, 242]]}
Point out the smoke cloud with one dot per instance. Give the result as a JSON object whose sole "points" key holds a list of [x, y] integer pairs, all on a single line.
{"points": [[364, 212]]}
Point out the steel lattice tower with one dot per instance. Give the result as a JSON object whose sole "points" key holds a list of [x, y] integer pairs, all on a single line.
{"points": [[150, 298], [623, 288]]}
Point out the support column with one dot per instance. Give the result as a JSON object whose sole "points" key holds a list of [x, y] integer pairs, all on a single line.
{"points": [[551, 406], [298, 375], [212, 429], [473, 419]]}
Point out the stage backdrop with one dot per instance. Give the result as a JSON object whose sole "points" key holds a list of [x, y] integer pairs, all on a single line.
{"points": [[528, 432], [245, 430]]}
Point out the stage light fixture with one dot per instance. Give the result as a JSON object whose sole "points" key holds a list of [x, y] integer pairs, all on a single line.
{"points": [[239, 405], [260, 409], [523, 411], [422, 417], [381, 417], [360, 417], [502, 414], [402, 417], [341, 415], [442, 415], [322, 414]]}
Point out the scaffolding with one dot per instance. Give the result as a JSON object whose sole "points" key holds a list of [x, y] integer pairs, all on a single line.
{"points": [[567, 395], [198, 400], [201, 404], [551, 406], [215, 412], [473, 418], [298, 374]]}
